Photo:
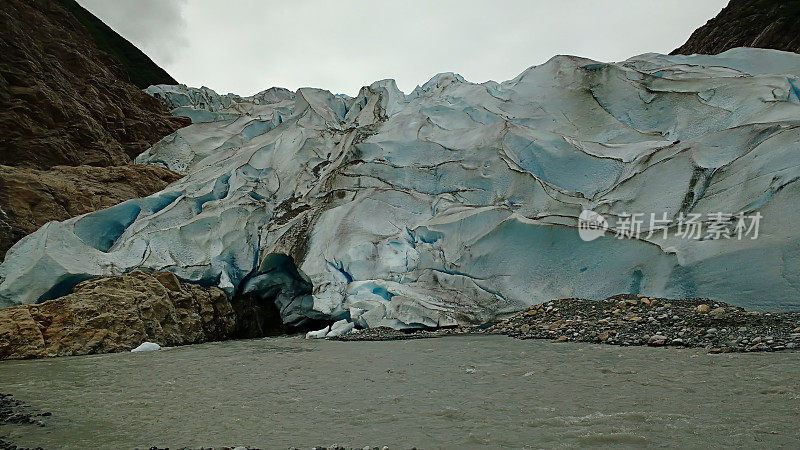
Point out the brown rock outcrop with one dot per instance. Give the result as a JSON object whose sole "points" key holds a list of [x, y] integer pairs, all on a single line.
{"points": [[113, 314], [63, 101], [748, 23], [30, 198]]}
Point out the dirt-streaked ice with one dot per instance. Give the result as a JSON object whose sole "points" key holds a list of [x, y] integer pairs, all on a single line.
{"points": [[459, 201]]}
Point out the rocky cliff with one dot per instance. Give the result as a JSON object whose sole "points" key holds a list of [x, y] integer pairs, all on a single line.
{"points": [[113, 314], [748, 23], [64, 101]]}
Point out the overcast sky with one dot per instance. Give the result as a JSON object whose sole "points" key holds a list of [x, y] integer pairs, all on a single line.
{"points": [[245, 46]]}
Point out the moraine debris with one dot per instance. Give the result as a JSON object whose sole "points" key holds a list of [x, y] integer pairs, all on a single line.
{"points": [[639, 320], [629, 320]]}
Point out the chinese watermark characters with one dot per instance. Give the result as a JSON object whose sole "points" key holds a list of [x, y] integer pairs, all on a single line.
{"points": [[695, 226]]}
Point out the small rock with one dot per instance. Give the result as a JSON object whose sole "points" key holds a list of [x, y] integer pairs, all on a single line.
{"points": [[703, 309], [657, 340], [717, 311], [715, 350]]}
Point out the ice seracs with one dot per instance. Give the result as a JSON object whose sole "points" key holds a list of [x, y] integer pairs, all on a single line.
{"points": [[459, 202], [319, 334], [338, 328]]}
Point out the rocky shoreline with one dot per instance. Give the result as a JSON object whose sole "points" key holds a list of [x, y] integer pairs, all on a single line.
{"points": [[390, 334], [16, 412], [112, 314], [629, 320], [330, 447]]}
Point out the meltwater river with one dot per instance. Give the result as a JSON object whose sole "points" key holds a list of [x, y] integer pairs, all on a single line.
{"points": [[459, 391]]}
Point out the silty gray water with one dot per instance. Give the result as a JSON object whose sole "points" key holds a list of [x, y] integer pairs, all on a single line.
{"points": [[459, 391]]}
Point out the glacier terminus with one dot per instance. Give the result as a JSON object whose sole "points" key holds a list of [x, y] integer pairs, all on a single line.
{"points": [[458, 203]]}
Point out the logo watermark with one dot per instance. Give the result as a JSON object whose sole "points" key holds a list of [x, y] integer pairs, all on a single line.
{"points": [[591, 225], [717, 225]]}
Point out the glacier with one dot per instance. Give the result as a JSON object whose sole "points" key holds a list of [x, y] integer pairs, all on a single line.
{"points": [[458, 203]]}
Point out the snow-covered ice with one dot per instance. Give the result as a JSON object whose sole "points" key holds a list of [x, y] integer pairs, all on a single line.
{"points": [[458, 202], [338, 328], [318, 334], [147, 347]]}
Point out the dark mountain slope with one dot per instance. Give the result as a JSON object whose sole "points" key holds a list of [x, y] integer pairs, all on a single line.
{"points": [[141, 70], [63, 101], [748, 23]]}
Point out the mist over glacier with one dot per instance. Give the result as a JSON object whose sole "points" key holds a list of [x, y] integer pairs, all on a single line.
{"points": [[458, 202]]}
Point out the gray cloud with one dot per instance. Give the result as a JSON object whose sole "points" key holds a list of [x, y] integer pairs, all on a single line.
{"points": [[245, 46]]}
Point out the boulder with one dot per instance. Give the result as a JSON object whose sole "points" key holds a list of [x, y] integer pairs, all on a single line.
{"points": [[657, 340], [117, 313]]}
